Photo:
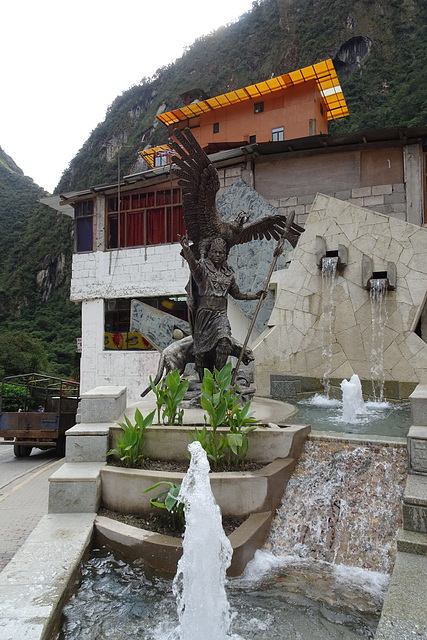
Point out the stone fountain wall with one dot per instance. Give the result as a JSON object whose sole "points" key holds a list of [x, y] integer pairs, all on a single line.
{"points": [[292, 345]]}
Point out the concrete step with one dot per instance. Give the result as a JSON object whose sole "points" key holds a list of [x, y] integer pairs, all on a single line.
{"points": [[417, 449], [412, 542], [415, 503], [87, 442], [419, 405], [76, 488]]}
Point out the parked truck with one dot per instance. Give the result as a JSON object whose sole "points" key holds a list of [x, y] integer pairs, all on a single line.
{"points": [[36, 411]]}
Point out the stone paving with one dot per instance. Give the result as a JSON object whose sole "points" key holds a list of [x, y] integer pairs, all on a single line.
{"points": [[21, 508]]}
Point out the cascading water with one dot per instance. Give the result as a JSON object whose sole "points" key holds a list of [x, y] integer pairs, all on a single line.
{"points": [[329, 269], [377, 296], [343, 505], [199, 584]]}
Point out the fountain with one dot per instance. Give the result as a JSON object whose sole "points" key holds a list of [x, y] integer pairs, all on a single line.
{"points": [[322, 575], [203, 608], [353, 404]]}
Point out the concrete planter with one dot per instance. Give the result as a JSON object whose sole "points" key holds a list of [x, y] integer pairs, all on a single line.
{"points": [[265, 445], [254, 496]]}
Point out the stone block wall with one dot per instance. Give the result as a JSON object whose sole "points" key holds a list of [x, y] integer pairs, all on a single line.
{"points": [[137, 272], [389, 199]]}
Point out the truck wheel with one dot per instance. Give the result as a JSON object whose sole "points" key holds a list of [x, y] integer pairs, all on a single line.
{"points": [[21, 450]]}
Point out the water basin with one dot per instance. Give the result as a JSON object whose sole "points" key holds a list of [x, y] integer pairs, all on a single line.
{"points": [[274, 600], [380, 418]]}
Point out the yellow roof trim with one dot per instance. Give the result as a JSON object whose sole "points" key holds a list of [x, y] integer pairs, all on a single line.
{"points": [[322, 72]]}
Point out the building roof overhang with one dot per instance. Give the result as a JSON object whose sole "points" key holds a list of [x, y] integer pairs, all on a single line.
{"points": [[262, 152], [323, 73]]}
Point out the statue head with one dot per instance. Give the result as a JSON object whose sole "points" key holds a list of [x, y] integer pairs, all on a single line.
{"points": [[218, 251]]}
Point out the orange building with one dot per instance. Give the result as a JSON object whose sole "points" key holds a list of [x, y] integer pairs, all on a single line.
{"points": [[293, 105]]}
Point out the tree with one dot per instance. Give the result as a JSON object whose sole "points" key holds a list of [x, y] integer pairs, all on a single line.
{"points": [[21, 353]]}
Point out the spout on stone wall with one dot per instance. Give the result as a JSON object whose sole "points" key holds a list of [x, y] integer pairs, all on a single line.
{"points": [[368, 274], [322, 253]]}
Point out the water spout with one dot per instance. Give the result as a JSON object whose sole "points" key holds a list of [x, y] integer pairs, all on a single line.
{"points": [[199, 584], [353, 404]]}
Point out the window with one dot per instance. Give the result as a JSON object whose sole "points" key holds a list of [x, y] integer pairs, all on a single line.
{"points": [[216, 127], [84, 225], [146, 218], [252, 139], [160, 159], [278, 134], [258, 107]]}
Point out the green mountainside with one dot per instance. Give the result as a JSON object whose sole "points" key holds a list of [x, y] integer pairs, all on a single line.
{"points": [[379, 51], [38, 323]]}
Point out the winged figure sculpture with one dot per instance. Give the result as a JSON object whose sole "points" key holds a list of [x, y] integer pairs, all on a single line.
{"points": [[203, 222]]}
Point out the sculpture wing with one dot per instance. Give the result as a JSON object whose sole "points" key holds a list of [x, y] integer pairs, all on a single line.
{"points": [[200, 183], [273, 226]]}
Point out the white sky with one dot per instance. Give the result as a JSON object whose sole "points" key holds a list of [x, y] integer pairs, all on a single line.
{"points": [[63, 64]]}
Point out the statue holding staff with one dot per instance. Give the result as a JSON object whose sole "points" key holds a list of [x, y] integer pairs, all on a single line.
{"points": [[214, 279]]}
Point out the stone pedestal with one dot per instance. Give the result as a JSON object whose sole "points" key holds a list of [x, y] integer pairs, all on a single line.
{"points": [[418, 400], [103, 404]]}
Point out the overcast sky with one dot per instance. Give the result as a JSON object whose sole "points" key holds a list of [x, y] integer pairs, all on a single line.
{"points": [[63, 64]]}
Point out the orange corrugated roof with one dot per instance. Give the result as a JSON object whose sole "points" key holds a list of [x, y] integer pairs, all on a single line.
{"points": [[322, 72], [149, 154]]}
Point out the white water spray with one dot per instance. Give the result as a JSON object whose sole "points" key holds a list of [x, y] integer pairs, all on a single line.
{"points": [[329, 268], [199, 584], [353, 404]]}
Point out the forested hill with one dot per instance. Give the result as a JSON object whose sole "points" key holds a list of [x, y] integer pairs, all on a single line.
{"points": [[38, 324], [380, 53], [379, 50]]}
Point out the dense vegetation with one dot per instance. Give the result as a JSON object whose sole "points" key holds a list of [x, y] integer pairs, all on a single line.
{"points": [[38, 323], [379, 50]]}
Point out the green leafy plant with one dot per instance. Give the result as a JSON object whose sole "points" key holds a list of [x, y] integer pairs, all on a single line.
{"points": [[241, 423], [223, 407], [168, 500], [170, 397], [131, 443]]}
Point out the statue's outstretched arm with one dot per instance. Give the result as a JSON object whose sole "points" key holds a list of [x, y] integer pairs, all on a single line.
{"points": [[239, 295], [188, 255]]}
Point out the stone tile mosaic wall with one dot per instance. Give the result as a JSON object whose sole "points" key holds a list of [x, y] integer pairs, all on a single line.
{"points": [[293, 343]]}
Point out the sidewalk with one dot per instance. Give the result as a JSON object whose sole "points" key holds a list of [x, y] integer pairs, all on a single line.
{"points": [[21, 508]]}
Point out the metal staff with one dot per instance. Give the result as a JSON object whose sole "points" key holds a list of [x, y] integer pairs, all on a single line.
{"points": [[278, 250]]}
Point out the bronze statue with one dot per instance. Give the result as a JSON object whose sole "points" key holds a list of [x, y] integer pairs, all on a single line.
{"points": [[214, 280], [212, 237]]}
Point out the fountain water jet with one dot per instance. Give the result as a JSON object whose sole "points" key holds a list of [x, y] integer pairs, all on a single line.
{"points": [[199, 584], [353, 404]]}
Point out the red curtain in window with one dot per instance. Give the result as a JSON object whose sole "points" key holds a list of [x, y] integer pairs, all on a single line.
{"points": [[175, 224], [135, 229], [156, 226]]}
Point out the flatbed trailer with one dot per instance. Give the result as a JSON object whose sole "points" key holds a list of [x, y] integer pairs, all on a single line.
{"points": [[39, 410]]}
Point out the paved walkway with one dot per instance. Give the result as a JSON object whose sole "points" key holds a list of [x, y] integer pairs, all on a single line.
{"points": [[21, 508]]}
